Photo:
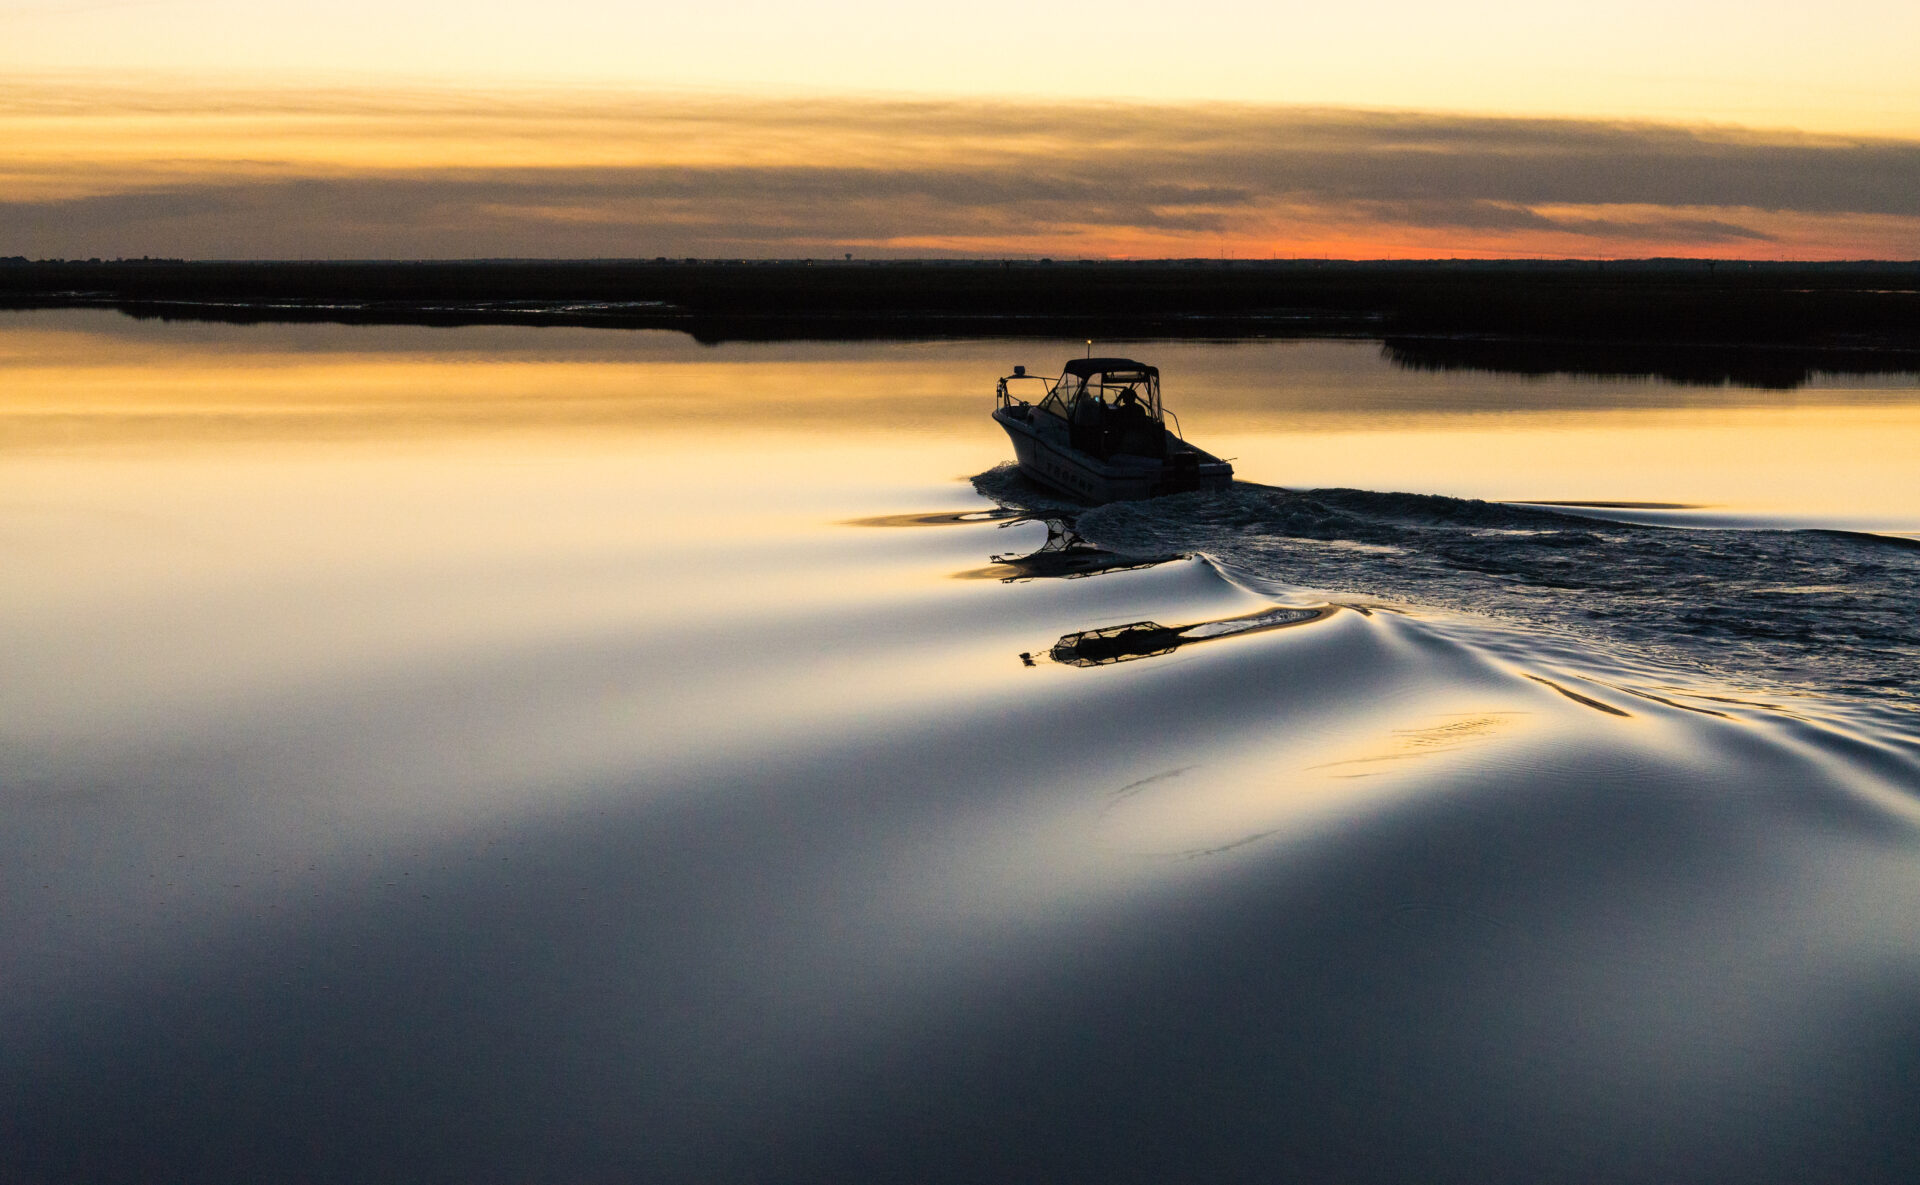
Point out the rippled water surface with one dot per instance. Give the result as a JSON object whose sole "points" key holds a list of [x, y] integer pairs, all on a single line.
{"points": [[507, 755]]}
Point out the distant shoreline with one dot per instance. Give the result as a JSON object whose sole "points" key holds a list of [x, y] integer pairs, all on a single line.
{"points": [[1688, 316]]}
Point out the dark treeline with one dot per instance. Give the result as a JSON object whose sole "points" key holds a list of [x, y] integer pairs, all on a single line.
{"points": [[1778, 367], [1826, 306]]}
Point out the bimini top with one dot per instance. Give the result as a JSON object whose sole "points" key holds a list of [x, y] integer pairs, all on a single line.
{"points": [[1083, 367]]}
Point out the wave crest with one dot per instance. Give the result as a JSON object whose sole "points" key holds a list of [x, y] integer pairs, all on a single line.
{"points": [[1815, 610]]}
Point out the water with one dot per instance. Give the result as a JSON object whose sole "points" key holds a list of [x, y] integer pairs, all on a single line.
{"points": [[489, 755]]}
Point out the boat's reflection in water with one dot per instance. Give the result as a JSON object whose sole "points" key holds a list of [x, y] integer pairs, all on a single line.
{"points": [[1064, 556], [943, 518], [1149, 639]]}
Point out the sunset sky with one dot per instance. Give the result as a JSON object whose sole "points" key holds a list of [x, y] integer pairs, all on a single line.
{"points": [[209, 128]]}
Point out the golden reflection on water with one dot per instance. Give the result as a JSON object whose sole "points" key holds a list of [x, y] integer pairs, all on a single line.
{"points": [[1293, 414], [1842, 461], [1215, 808], [292, 615]]}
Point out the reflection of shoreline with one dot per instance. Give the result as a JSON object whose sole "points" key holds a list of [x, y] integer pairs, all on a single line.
{"points": [[1768, 366]]}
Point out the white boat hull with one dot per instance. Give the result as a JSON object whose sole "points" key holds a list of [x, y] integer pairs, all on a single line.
{"points": [[1044, 455]]}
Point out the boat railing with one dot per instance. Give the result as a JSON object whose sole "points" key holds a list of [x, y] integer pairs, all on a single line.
{"points": [[1006, 397]]}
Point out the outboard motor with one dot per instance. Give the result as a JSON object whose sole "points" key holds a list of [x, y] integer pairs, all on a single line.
{"points": [[1181, 471]]}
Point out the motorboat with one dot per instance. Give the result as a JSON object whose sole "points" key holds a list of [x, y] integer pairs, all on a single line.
{"points": [[1099, 433]]}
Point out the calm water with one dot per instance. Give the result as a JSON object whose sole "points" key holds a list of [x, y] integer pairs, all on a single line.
{"points": [[504, 755]]}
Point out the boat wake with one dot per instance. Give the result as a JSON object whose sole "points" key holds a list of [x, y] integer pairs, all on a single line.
{"points": [[1799, 611]]}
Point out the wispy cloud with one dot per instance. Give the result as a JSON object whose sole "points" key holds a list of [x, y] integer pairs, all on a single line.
{"points": [[433, 174]]}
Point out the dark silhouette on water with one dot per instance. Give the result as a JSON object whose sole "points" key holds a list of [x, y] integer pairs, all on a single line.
{"points": [[1065, 556], [1149, 639], [1774, 367], [1099, 433], [1850, 308]]}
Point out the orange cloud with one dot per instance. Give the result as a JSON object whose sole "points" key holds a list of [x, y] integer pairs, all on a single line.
{"points": [[422, 173]]}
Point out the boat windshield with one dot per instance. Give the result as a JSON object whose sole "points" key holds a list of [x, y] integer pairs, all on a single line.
{"points": [[1110, 383], [1114, 386]]}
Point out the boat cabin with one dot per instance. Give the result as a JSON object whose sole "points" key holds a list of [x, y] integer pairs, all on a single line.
{"points": [[1099, 433], [1110, 405]]}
